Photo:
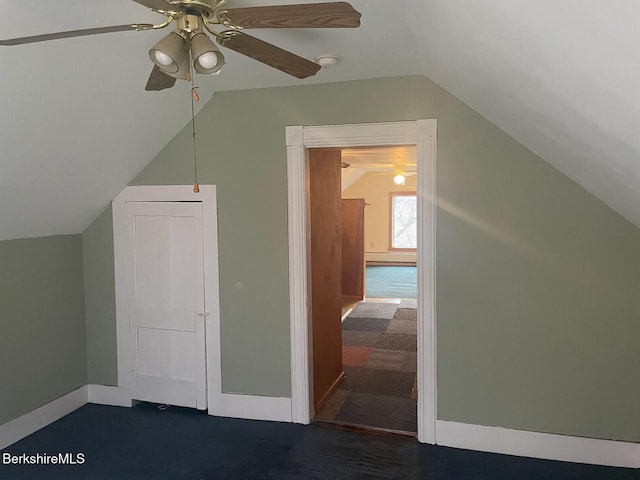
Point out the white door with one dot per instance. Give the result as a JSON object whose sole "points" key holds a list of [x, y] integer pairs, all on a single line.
{"points": [[166, 304]]}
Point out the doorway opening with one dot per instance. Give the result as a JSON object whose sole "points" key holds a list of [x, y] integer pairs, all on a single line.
{"points": [[422, 134], [378, 390]]}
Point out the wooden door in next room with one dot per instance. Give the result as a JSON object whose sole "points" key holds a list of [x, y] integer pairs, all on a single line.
{"points": [[353, 254], [326, 270]]}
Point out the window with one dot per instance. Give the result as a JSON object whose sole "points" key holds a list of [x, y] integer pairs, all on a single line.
{"points": [[404, 221]]}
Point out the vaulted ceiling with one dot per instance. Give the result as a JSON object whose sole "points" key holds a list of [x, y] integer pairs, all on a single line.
{"points": [[76, 124]]}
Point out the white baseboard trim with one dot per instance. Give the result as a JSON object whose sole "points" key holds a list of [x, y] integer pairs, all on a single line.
{"points": [[449, 434], [31, 422], [538, 445], [252, 407], [107, 395]]}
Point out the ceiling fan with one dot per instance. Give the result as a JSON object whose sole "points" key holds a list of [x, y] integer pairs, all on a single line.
{"points": [[188, 45], [400, 173]]}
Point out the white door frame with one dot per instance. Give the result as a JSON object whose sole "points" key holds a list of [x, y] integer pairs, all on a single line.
{"points": [[123, 270], [423, 134]]}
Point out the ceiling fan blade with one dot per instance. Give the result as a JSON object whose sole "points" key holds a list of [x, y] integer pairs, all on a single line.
{"points": [[158, 5], [159, 80], [308, 15], [72, 33], [268, 54]]}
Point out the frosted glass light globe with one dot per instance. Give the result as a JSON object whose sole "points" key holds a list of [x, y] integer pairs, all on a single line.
{"points": [[163, 58], [208, 60], [398, 179]]}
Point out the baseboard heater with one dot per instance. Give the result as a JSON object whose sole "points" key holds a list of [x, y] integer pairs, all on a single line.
{"points": [[391, 259], [390, 263]]}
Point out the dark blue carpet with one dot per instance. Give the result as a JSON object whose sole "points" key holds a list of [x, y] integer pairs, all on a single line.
{"points": [[147, 443], [391, 282]]}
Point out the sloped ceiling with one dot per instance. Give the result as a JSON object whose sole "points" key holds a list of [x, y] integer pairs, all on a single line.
{"points": [[76, 124], [380, 160]]}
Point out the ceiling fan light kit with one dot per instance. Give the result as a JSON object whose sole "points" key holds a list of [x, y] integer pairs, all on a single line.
{"points": [[207, 58], [399, 179], [173, 54], [169, 54]]}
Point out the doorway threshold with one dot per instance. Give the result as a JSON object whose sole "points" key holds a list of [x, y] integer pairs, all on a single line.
{"points": [[352, 427]]}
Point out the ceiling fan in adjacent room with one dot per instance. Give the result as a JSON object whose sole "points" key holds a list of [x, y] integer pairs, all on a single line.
{"points": [[188, 45], [399, 173], [399, 161]]}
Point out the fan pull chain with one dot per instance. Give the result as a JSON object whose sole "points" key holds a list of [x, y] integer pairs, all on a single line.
{"points": [[194, 98]]}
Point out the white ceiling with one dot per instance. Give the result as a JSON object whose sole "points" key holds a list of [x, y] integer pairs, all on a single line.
{"points": [[76, 124], [381, 159]]}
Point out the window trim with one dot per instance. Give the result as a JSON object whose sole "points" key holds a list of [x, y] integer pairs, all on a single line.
{"points": [[405, 193]]}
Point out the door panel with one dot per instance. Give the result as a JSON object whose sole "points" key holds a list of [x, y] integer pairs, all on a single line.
{"points": [[168, 296], [326, 267], [353, 259], [165, 351]]}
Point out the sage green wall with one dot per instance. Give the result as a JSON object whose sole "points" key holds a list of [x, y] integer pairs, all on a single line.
{"points": [[99, 281], [538, 306], [537, 279], [42, 332]]}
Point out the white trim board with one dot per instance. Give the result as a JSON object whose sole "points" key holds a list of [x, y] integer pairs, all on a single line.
{"points": [[169, 193], [421, 133], [15, 430], [23, 426], [107, 395], [252, 407], [450, 434], [538, 445]]}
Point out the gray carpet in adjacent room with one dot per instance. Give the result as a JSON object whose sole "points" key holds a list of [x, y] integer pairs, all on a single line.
{"points": [[380, 370]]}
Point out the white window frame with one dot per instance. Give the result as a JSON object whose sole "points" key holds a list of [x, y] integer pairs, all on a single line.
{"points": [[392, 196]]}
